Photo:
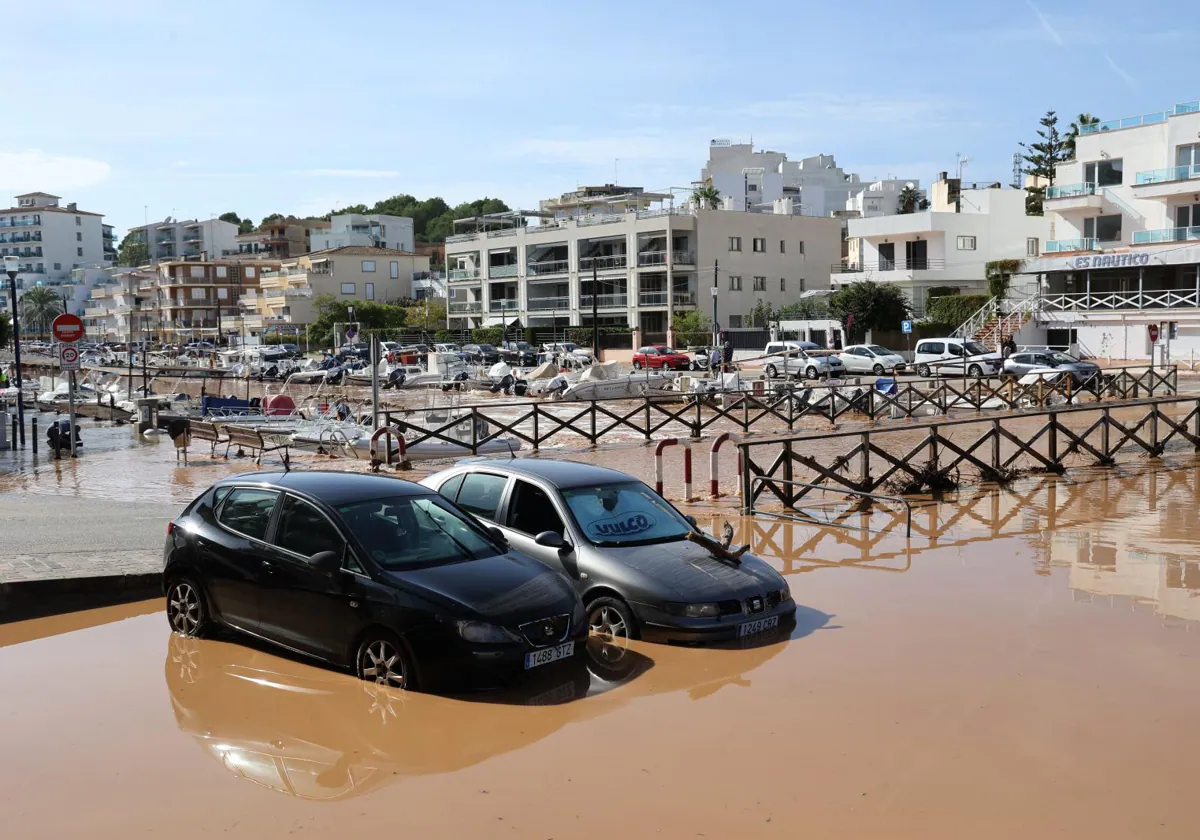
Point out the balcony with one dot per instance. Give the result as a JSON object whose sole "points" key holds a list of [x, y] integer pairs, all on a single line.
{"points": [[473, 307], [543, 304], [1075, 197], [504, 305], [538, 269], [1167, 183], [652, 299], [1110, 301], [888, 265], [604, 302], [1070, 191], [1144, 119], [10, 222], [462, 237], [164, 240], [1153, 237], [495, 271], [615, 262], [1065, 246], [278, 294], [683, 298], [95, 312], [464, 275]]}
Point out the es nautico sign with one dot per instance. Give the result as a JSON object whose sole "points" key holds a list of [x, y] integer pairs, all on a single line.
{"points": [[1108, 261]]}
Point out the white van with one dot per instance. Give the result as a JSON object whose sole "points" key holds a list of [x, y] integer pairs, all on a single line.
{"points": [[956, 356]]}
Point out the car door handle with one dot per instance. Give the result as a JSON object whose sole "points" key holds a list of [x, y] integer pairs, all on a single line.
{"points": [[267, 566]]}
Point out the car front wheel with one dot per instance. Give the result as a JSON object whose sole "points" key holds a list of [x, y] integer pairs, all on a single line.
{"points": [[383, 660], [186, 610], [878, 370], [923, 371], [811, 373], [611, 618], [772, 372]]}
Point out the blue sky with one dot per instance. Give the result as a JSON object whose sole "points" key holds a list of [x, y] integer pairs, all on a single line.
{"points": [[134, 108]]}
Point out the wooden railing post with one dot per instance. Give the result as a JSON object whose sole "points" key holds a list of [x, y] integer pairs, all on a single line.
{"points": [[996, 446], [1105, 434], [864, 476], [647, 398], [474, 431], [593, 421], [1052, 442], [788, 491], [699, 419], [747, 492], [536, 442]]}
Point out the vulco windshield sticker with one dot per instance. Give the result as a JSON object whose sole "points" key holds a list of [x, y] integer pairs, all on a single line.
{"points": [[622, 526]]}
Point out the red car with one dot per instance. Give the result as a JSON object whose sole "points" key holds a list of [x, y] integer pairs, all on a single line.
{"points": [[661, 356]]}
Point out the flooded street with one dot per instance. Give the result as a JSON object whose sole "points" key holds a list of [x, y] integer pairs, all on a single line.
{"points": [[1024, 665]]}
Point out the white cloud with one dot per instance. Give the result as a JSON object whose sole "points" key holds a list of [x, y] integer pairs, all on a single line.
{"points": [[34, 169], [1128, 79], [352, 173], [1050, 30]]}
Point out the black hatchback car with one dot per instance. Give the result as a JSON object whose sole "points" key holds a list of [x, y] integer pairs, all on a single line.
{"points": [[366, 572]]}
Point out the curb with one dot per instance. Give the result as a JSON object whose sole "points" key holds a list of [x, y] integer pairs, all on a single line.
{"points": [[25, 599]]}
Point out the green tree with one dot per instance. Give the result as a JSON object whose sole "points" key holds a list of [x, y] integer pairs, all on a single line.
{"points": [[427, 315], [763, 314], [707, 197], [433, 219], [909, 199], [999, 274], [133, 251], [1073, 132], [1041, 158], [692, 327], [244, 225], [39, 306], [868, 305], [272, 218], [805, 309], [5, 332], [372, 316], [955, 309]]}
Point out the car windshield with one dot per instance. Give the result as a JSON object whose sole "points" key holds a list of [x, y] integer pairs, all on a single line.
{"points": [[624, 514], [404, 532], [880, 351], [665, 351], [975, 348]]}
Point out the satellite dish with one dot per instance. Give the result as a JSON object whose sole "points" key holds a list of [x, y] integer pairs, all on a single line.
{"points": [[910, 185]]}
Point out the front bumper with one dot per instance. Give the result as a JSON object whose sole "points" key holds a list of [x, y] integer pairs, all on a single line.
{"points": [[478, 666], [660, 626]]}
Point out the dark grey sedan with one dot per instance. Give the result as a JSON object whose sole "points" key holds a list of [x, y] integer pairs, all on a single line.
{"points": [[1050, 361], [643, 569]]}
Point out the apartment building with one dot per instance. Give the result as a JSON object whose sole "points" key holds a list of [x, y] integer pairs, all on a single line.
{"points": [[353, 273], [370, 231], [1125, 252], [171, 239], [112, 311], [280, 239], [946, 246], [649, 259], [184, 300], [50, 239], [817, 186]]}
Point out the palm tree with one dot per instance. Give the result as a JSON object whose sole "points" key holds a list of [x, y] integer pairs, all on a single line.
{"points": [[909, 199], [41, 305], [1073, 132], [707, 197]]}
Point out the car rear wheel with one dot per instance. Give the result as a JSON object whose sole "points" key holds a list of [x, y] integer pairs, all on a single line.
{"points": [[878, 369], [383, 660], [811, 372], [186, 610], [611, 618], [772, 372], [923, 371]]}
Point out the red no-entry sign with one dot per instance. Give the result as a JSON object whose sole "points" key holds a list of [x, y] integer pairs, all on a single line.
{"points": [[67, 328], [1152, 329]]}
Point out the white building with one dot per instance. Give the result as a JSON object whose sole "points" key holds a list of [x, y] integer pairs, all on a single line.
{"points": [[947, 245], [816, 185], [650, 262], [374, 231], [171, 239], [52, 240], [1125, 252]]}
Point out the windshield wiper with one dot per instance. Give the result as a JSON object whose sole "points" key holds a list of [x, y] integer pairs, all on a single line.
{"points": [[449, 536]]}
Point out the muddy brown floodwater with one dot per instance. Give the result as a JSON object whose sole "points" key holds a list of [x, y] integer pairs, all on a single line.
{"points": [[1026, 665]]}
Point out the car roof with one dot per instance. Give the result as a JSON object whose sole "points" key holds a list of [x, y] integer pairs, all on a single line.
{"points": [[333, 487], [558, 473]]}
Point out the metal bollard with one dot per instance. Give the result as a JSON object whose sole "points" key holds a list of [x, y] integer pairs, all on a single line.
{"points": [[33, 431]]}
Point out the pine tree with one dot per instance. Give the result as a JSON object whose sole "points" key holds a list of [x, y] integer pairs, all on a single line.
{"points": [[1042, 157]]}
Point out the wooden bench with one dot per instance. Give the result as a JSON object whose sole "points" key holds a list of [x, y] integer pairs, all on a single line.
{"points": [[211, 432], [253, 440]]}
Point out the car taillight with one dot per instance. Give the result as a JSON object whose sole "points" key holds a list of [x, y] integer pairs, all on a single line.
{"points": [[170, 528]]}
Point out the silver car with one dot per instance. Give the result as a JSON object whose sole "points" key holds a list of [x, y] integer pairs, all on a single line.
{"points": [[791, 359], [1046, 361], [643, 569]]}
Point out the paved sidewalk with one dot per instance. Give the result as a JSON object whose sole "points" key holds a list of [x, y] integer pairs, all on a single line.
{"points": [[46, 537]]}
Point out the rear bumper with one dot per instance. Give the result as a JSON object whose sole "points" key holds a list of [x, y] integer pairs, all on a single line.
{"points": [[658, 626]]}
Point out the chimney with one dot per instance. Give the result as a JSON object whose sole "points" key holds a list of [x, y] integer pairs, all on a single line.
{"points": [[71, 206]]}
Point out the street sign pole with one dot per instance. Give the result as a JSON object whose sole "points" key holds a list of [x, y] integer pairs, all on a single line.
{"points": [[67, 330], [71, 407]]}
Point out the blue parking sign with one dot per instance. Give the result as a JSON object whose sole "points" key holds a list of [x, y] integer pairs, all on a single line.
{"points": [[906, 327]]}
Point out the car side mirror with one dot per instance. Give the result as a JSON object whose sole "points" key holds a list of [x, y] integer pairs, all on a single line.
{"points": [[326, 562], [692, 521], [550, 539], [497, 535]]}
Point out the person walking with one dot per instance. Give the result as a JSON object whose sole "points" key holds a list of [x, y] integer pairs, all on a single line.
{"points": [[1008, 347], [728, 354]]}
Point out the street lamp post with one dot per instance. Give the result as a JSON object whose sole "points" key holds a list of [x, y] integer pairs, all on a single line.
{"points": [[12, 267]]}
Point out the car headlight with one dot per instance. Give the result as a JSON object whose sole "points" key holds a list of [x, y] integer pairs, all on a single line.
{"points": [[480, 632], [784, 592], [701, 610]]}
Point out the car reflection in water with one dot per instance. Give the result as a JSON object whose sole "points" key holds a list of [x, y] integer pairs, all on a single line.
{"points": [[309, 732]]}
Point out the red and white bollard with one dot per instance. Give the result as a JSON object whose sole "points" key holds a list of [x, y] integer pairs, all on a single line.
{"points": [[687, 466], [714, 490], [389, 432]]}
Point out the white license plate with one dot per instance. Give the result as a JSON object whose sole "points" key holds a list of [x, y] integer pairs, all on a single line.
{"points": [[547, 655], [757, 626]]}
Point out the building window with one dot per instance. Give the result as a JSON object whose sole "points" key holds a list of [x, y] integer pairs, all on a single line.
{"points": [[222, 294], [783, 284], [222, 271], [369, 291], [78, 221], [58, 266], [368, 266], [735, 322], [783, 246], [1104, 173], [752, 187], [79, 252], [78, 237], [801, 250], [197, 294], [735, 243], [196, 270], [966, 243], [1103, 228], [760, 245], [760, 284], [802, 284], [249, 271], [349, 288], [395, 267], [1032, 247], [735, 284]]}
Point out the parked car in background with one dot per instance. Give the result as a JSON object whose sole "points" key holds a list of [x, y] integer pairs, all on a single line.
{"points": [[365, 572], [568, 352], [661, 357], [446, 348], [958, 356], [481, 354], [792, 360], [871, 358], [519, 353], [642, 568], [1050, 361]]}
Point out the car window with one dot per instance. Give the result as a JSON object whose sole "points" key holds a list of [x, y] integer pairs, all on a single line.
{"points": [[1020, 358], [975, 348], [628, 513], [449, 489], [955, 350], [409, 531], [480, 494], [531, 511], [1045, 360], [247, 510], [932, 347], [304, 530], [878, 351]]}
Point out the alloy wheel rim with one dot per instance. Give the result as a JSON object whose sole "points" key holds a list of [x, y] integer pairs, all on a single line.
{"points": [[382, 665], [183, 608], [607, 621]]}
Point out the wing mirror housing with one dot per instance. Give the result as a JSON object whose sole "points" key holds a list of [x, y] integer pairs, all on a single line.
{"points": [[497, 535], [549, 539], [692, 521], [326, 562]]}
